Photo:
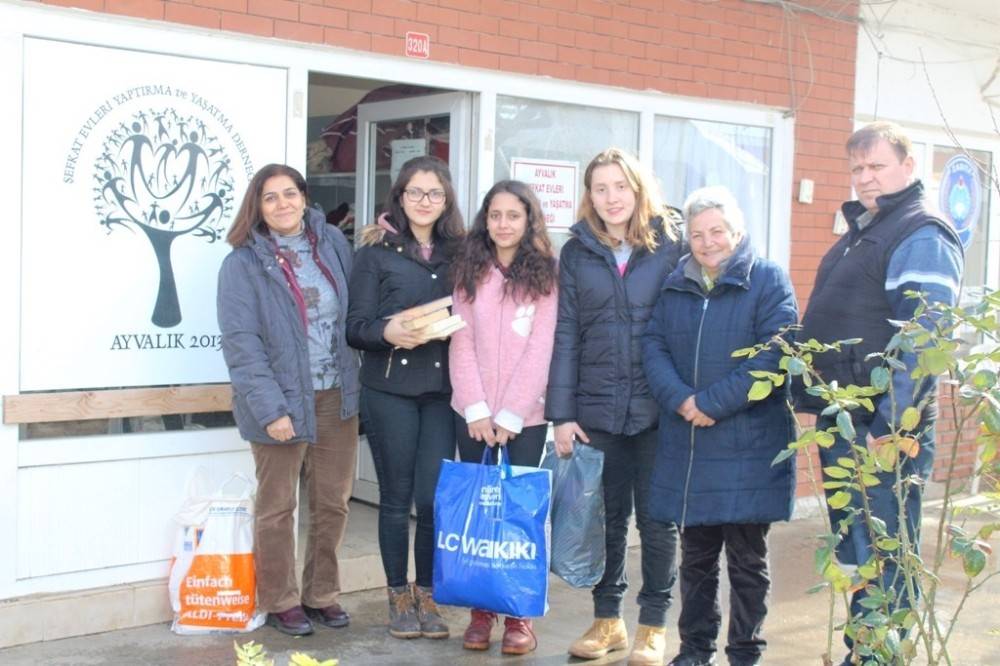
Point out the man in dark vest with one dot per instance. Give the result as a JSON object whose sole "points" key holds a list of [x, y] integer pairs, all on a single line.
{"points": [[894, 243]]}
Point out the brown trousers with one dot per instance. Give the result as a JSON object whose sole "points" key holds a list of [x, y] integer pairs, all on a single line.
{"points": [[328, 468]]}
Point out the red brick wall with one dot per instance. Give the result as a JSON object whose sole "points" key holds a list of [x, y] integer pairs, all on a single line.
{"points": [[953, 443], [728, 50]]}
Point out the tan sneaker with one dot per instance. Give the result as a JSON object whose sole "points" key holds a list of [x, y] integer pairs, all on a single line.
{"points": [[650, 644], [604, 636]]}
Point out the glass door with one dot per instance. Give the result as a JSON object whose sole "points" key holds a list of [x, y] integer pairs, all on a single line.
{"points": [[392, 132], [389, 134]]}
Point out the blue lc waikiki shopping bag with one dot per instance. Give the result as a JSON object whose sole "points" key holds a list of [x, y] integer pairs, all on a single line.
{"points": [[493, 536]]}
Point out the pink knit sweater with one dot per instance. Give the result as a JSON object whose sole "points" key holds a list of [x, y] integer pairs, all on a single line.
{"points": [[500, 361]]}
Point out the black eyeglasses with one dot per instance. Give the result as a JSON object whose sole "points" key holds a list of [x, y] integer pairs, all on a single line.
{"points": [[416, 195]]}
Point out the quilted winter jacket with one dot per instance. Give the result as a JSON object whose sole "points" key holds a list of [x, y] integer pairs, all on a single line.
{"points": [[596, 376], [721, 474], [264, 340], [386, 280]]}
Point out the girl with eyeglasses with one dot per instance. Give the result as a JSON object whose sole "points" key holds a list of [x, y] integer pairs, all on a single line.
{"points": [[505, 289], [404, 261]]}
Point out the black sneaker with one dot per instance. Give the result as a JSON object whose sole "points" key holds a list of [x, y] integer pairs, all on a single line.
{"points": [[688, 659]]}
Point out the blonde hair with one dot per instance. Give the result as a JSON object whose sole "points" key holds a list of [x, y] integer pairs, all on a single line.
{"points": [[648, 202]]}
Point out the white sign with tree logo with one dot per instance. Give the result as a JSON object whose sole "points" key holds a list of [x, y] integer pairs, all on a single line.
{"points": [[128, 193]]}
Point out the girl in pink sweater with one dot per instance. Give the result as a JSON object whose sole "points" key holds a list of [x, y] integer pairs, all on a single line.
{"points": [[505, 289]]}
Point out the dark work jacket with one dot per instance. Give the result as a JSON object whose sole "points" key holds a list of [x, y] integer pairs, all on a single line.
{"points": [[596, 376], [721, 474], [264, 339], [386, 280], [849, 300]]}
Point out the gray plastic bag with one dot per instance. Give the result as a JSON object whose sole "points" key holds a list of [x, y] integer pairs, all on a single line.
{"points": [[577, 514]]}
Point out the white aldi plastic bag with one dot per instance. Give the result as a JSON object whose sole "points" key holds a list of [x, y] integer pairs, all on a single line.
{"points": [[212, 583]]}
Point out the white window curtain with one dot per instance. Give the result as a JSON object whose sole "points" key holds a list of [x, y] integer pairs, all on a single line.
{"points": [[689, 154]]}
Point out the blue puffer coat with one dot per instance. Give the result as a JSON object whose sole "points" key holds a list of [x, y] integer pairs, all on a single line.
{"points": [[596, 377], [264, 340], [721, 474]]}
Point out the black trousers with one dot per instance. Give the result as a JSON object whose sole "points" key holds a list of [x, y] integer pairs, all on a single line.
{"points": [[628, 466], [408, 438], [749, 582]]}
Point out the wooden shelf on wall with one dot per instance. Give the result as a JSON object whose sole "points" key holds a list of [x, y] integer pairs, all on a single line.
{"points": [[115, 403]]}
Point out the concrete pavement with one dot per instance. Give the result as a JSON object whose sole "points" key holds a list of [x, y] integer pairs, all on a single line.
{"points": [[795, 629]]}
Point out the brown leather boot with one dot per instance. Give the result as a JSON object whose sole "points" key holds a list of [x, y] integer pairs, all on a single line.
{"points": [[604, 636], [477, 634], [518, 636]]}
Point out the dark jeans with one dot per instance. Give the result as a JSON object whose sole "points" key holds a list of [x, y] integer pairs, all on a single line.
{"points": [[749, 584], [408, 438], [628, 466], [856, 547], [525, 449]]}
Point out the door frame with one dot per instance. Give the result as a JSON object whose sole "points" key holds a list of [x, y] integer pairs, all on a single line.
{"points": [[458, 105]]}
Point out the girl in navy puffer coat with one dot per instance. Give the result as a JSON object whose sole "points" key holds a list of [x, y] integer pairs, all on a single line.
{"points": [[609, 276]]}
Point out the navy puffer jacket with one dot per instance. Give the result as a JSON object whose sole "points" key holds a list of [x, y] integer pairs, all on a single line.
{"points": [[721, 474], [264, 341], [596, 377]]}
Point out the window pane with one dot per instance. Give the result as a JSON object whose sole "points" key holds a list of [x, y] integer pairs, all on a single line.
{"points": [[563, 137], [688, 154], [965, 202]]}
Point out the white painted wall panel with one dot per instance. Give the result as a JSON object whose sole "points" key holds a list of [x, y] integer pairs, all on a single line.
{"points": [[81, 517], [959, 48], [77, 517], [162, 489]]}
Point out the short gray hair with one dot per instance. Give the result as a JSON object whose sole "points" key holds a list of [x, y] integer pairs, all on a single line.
{"points": [[715, 196]]}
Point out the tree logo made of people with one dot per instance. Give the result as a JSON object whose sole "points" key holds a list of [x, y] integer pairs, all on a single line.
{"points": [[164, 173], [138, 174]]}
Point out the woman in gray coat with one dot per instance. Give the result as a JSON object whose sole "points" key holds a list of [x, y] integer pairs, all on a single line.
{"points": [[282, 305]]}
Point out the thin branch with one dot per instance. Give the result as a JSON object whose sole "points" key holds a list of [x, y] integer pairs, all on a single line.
{"points": [[951, 134]]}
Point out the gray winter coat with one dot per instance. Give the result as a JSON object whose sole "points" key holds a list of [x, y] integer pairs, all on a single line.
{"points": [[264, 341]]}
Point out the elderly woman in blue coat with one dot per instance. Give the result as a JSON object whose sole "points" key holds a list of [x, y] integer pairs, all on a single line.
{"points": [[282, 306], [713, 474]]}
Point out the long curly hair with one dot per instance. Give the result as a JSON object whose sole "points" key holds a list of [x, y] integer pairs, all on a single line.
{"points": [[449, 228], [531, 274]]}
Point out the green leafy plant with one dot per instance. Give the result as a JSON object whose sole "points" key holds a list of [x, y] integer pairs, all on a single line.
{"points": [[251, 654], [941, 338], [254, 654]]}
